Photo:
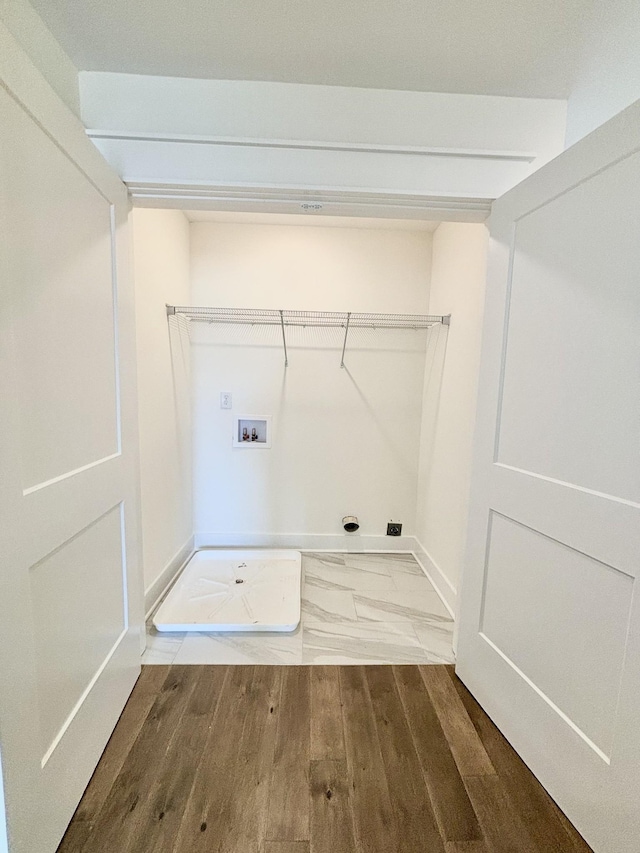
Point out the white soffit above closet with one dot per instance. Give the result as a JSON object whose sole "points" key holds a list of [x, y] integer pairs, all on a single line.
{"points": [[318, 220], [250, 146], [497, 47]]}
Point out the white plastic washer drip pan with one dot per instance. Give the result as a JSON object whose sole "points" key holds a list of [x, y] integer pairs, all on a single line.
{"points": [[234, 591]]}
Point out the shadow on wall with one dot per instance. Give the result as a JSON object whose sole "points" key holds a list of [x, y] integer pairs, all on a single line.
{"points": [[378, 424], [180, 351], [276, 503], [433, 375]]}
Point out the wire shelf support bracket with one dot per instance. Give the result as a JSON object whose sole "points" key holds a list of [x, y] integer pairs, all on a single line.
{"points": [[319, 319], [284, 340], [346, 332]]}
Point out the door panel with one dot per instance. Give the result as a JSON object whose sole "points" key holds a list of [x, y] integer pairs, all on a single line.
{"points": [[70, 587], [572, 303], [63, 307], [526, 613], [550, 617], [79, 606]]}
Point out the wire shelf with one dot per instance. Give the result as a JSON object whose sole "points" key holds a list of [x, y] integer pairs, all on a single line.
{"points": [[267, 317], [308, 319]]}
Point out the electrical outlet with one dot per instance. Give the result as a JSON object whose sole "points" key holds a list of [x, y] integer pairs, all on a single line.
{"points": [[394, 528], [225, 399]]}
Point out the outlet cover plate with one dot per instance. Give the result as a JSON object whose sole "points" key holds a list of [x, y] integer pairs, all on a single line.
{"points": [[394, 528]]}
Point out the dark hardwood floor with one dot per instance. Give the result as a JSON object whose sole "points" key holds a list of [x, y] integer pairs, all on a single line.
{"points": [[322, 759]]}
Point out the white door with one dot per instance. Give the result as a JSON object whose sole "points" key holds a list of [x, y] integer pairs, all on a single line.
{"points": [[550, 611], [70, 605]]}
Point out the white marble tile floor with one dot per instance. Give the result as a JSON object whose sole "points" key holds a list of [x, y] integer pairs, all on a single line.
{"points": [[356, 609]]}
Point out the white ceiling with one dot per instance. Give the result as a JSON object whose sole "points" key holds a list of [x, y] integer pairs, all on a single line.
{"points": [[525, 48], [310, 219]]}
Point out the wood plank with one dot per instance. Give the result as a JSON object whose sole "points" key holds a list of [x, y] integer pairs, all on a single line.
{"points": [[502, 829], [171, 788], [409, 796], [212, 786], [331, 810], [227, 808], [254, 762], [327, 737], [185, 772], [131, 720], [151, 678], [288, 814], [133, 716], [577, 844], [548, 827], [462, 737], [117, 821], [76, 836], [373, 818], [456, 818]]}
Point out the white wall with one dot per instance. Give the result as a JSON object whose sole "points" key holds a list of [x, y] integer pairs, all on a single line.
{"points": [[4, 842], [344, 441], [451, 378], [161, 262], [608, 78], [33, 36]]}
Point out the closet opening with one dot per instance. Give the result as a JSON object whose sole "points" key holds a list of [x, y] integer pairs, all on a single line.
{"points": [[345, 350]]}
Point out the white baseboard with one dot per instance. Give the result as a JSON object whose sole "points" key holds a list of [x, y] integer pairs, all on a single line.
{"points": [[440, 581], [157, 589], [306, 541]]}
